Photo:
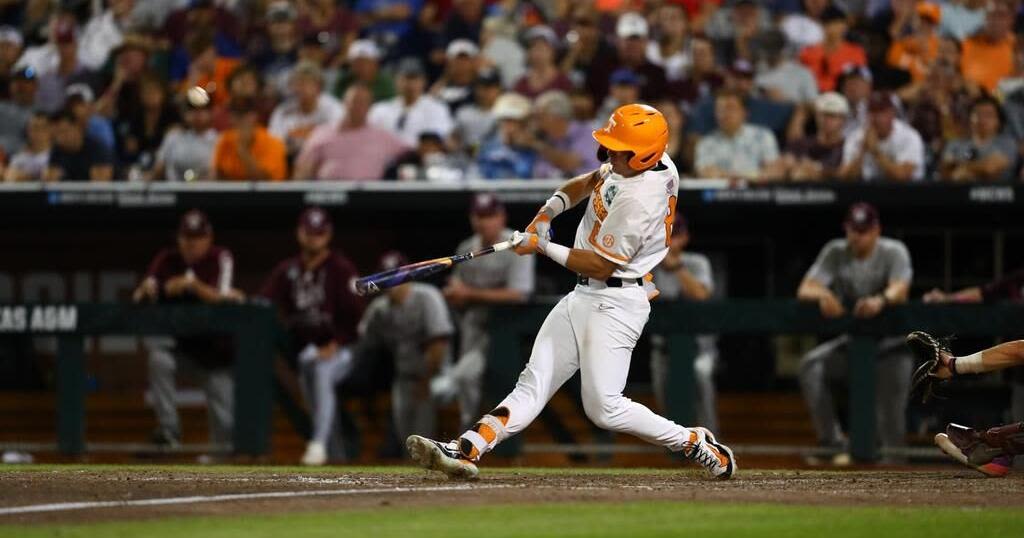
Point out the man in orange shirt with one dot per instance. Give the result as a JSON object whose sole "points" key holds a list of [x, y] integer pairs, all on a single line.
{"points": [[248, 152], [828, 59], [988, 56], [915, 53]]}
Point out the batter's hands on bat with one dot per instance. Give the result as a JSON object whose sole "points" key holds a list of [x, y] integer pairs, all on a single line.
{"points": [[830, 306], [539, 226], [525, 243]]}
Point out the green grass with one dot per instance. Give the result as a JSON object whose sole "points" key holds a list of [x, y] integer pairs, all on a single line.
{"points": [[636, 519]]}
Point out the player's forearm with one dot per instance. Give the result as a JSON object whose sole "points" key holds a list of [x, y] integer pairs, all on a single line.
{"points": [[589, 264], [968, 295], [896, 292], [811, 290], [1005, 355]]}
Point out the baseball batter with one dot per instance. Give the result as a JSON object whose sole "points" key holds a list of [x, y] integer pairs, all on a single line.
{"points": [[622, 237]]}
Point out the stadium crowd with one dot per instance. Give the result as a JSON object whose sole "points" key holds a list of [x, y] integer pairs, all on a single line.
{"points": [[446, 90]]}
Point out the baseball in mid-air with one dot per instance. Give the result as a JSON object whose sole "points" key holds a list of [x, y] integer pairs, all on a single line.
{"points": [[197, 96]]}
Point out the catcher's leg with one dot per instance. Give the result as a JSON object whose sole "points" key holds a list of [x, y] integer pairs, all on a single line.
{"points": [[990, 452]]}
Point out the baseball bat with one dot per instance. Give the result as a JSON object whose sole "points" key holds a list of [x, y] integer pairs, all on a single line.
{"points": [[417, 271]]}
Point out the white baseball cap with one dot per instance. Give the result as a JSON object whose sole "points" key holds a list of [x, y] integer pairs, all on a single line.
{"points": [[363, 48], [632, 25], [832, 103], [511, 106], [461, 46]]}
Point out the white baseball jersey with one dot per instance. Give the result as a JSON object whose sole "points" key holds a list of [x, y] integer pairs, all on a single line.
{"points": [[629, 220]]}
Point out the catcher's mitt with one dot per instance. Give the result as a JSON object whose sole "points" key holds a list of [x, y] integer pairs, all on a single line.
{"points": [[934, 371]]}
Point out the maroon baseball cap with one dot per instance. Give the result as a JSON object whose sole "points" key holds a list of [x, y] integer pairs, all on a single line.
{"points": [[485, 204], [861, 217], [391, 259], [194, 223], [880, 102], [315, 221]]}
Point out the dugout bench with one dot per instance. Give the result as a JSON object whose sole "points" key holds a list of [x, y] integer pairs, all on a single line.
{"points": [[680, 322]]}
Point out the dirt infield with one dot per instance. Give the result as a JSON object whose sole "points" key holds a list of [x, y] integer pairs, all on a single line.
{"points": [[114, 494]]}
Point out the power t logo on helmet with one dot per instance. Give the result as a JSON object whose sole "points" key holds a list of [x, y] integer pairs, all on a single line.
{"points": [[640, 129], [625, 232]]}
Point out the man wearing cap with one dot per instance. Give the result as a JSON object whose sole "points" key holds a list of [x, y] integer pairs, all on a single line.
{"points": [[686, 276], [475, 121], [351, 149], [856, 83], [624, 88], [778, 76], [671, 51], [247, 151], [410, 322], [307, 108], [314, 298], [411, 112], [45, 58], [509, 153], [80, 100], [68, 71], [565, 146], [76, 155], [737, 149], [363, 66], [828, 59], [16, 110], [818, 156], [885, 148], [280, 52], [186, 152], [195, 272], [632, 32], [861, 275], [455, 87], [474, 286], [104, 32], [542, 72]]}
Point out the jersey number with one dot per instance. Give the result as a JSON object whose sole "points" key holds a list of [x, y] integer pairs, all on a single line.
{"points": [[670, 219]]}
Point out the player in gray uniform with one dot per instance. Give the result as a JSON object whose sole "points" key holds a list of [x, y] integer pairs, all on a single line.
{"points": [[686, 276], [862, 274], [411, 322], [502, 278]]}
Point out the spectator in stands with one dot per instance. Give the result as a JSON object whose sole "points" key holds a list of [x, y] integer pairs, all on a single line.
{"points": [[885, 148], [455, 87], [318, 308], [77, 156], [140, 135], [104, 32], [988, 154], [412, 323], [509, 153], [207, 69], [778, 77], [411, 112], [387, 21], [566, 147], [62, 37], [962, 18], [916, 52], [364, 67], [201, 17], [686, 276], [818, 156], [676, 137], [330, 19], [938, 107], [429, 161], [67, 71], [778, 117], [80, 100], [588, 52], [16, 110], [351, 150], [632, 32], [473, 289], [11, 45], [705, 77], [314, 51], [464, 21], [732, 29], [244, 83], [625, 86], [130, 62], [281, 51], [671, 49], [500, 49], [307, 108], [736, 149], [542, 71], [828, 59], [863, 274], [247, 151], [988, 56], [187, 151], [196, 272], [475, 122], [804, 29], [31, 162], [856, 84]]}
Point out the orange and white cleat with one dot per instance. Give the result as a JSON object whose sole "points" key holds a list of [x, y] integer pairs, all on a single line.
{"points": [[712, 455]]}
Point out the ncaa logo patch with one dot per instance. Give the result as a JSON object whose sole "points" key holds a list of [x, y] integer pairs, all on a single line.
{"points": [[608, 241], [609, 194]]}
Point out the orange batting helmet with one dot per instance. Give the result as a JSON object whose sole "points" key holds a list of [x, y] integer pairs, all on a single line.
{"points": [[637, 128]]}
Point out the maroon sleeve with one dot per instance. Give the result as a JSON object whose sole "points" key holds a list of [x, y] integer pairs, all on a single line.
{"points": [[349, 306], [158, 267], [274, 288], [1008, 287]]}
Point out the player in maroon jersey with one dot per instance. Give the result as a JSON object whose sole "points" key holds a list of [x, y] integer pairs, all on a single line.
{"points": [[313, 294]]}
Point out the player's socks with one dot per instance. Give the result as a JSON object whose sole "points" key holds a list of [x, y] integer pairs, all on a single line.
{"points": [[484, 435]]}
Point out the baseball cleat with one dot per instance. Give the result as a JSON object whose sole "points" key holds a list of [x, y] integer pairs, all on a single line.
{"points": [[966, 446], [712, 455], [444, 457], [316, 454]]}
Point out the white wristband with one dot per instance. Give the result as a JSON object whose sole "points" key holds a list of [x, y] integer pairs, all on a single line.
{"points": [[971, 364], [558, 253]]}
